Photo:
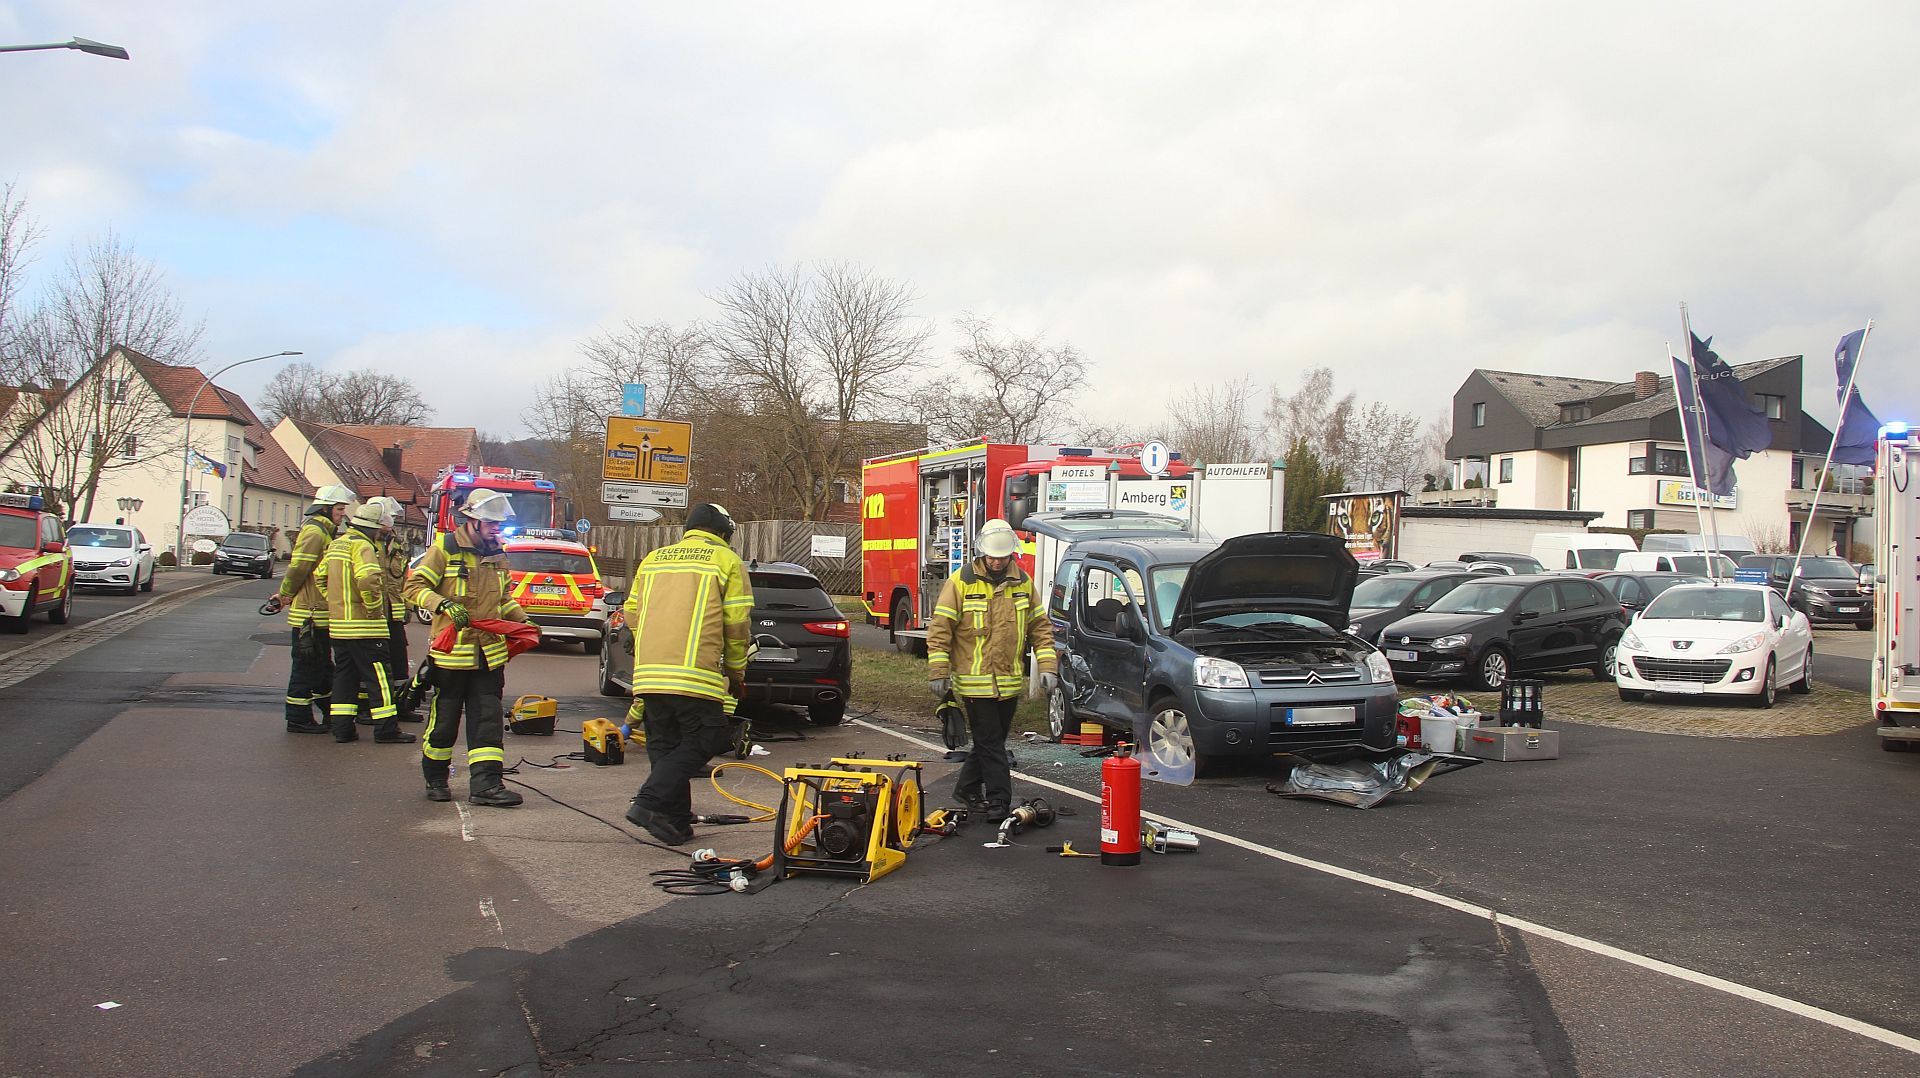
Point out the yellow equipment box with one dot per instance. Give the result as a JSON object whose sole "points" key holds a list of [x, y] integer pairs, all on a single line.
{"points": [[850, 818]]}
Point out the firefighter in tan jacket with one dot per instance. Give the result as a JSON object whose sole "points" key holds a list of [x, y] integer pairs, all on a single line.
{"points": [[393, 559], [352, 579], [461, 579], [688, 612], [985, 620], [310, 681]]}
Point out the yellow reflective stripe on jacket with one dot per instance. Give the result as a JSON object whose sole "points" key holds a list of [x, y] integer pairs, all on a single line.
{"points": [[688, 612], [353, 580], [981, 631]]}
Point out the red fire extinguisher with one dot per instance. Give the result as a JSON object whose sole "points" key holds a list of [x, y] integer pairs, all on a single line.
{"points": [[1120, 808]]}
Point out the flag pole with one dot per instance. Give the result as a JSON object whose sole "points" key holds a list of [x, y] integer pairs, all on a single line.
{"points": [[1703, 488], [1699, 503], [1813, 511]]}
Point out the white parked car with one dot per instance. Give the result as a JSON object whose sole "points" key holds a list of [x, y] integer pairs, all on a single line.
{"points": [[111, 556], [1731, 639]]}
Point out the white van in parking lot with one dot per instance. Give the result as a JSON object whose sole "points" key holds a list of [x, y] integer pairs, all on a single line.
{"points": [[1673, 561], [1596, 551]]}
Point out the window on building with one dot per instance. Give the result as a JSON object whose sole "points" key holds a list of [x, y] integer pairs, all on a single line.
{"points": [[199, 497], [233, 451], [117, 390], [1574, 413], [1480, 414], [1668, 462], [130, 447], [1636, 465], [840, 492], [1640, 519], [1797, 474], [1775, 405], [1506, 469]]}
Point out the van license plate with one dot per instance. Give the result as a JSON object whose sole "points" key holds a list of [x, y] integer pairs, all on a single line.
{"points": [[1319, 716], [1849, 610], [1403, 656]]}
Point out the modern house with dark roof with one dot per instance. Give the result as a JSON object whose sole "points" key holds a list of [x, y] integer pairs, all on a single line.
{"points": [[1534, 441]]}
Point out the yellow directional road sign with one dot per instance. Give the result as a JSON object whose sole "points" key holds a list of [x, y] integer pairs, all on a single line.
{"points": [[647, 450]]}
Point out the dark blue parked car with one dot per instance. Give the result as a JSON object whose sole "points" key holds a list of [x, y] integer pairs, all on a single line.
{"points": [[1204, 649]]}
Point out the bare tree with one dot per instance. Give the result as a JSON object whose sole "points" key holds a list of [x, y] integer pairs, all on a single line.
{"points": [[1215, 423], [1385, 449], [364, 397], [1313, 414], [1025, 386], [813, 353], [1433, 443], [19, 234]]}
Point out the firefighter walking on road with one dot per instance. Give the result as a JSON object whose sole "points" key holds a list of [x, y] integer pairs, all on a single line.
{"points": [[688, 612], [983, 624], [462, 579], [310, 682], [353, 579]]}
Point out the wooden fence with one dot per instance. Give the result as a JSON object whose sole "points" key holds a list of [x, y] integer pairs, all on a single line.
{"points": [[830, 551]]}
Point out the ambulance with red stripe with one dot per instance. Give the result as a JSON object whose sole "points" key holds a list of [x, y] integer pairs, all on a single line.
{"points": [[920, 511], [557, 582]]}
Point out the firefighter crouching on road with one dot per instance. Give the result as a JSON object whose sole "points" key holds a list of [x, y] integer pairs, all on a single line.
{"points": [[688, 612], [354, 582], [462, 579], [310, 682], [982, 625], [393, 559]]}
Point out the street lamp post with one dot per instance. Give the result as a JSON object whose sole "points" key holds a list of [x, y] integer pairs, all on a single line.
{"points": [[112, 52], [186, 452]]}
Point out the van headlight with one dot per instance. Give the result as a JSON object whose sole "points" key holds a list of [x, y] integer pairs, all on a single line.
{"points": [[1453, 643], [8, 576], [1750, 642], [1211, 673], [1379, 670]]}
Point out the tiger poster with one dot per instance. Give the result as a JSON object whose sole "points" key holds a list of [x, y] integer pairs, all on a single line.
{"points": [[1369, 521]]}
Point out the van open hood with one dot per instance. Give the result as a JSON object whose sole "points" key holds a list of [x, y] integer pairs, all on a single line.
{"points": [[1309, 574]]}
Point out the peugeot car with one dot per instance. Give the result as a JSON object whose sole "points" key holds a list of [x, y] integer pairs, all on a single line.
{"points": [[1203, 649]]}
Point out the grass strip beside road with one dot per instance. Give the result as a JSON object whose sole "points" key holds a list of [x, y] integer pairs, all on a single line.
{"points": [[852, 606], [897, 684]]}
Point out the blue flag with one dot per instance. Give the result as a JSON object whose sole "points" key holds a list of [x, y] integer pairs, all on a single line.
{"points": [[1735, 421], [1710, 465], [1853, 443]]}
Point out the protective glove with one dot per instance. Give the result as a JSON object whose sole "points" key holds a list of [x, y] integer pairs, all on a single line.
{"points": [[456, 614], [272, 606], [737, 686], [939, 686], [1049, 682]]}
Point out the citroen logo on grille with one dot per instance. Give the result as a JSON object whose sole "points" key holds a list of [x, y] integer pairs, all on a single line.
{"points": [[1313, 677]]}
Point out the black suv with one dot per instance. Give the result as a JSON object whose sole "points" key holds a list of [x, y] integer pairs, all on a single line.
{"points": [[1493, 628], [804, 656], [1828, 589], [244, 552]]}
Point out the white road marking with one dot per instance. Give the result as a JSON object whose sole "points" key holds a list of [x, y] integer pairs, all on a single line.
{"points": [[1706, 980], [466, 822], [488, 915]]}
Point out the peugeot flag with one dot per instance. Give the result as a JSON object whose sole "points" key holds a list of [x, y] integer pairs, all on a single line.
{"points": [[1853, 443], [1734, 420], [1710, 465]]}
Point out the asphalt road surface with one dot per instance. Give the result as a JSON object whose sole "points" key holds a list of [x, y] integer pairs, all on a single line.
{"points": [[257, 902]]}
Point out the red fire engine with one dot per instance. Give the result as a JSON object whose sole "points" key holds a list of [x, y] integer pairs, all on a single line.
{"points": [[536, 501], [920, 511]]}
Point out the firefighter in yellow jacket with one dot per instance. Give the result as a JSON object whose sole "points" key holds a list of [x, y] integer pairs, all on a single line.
{"points": [[393, 559], [310, 682], [688, 612], [986, 618], [354, 582], [461, 579]]}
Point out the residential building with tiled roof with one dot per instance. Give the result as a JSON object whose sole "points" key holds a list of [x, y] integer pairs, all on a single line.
{"points": [[326, 455], [1551, 442]]}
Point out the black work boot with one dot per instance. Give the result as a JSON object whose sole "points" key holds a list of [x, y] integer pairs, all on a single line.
{"points": [[658, 825], [302, 727], [485, 788], [436, 776]]}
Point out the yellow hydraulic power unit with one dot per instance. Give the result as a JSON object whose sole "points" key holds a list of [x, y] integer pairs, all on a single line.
{"points": [[604, 745], [850, 818], [532, 715]]}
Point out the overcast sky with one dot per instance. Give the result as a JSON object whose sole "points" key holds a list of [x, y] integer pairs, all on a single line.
{"points": [[461, 192]]}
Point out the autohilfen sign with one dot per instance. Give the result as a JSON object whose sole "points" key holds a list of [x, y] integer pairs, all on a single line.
{"points": [[1238, 471]]}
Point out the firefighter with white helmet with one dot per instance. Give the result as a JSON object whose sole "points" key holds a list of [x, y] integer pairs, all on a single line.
{"points": [[354, 581], [986, 619], [462, 578], [310, 682]]}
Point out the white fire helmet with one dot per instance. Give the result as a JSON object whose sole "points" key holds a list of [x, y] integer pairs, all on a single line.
{"points": [[997, 539], [484, 504], [334, 494]]}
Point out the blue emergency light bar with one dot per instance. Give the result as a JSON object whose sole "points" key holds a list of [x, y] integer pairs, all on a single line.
{"points": [[22, 501], [462, 477], [543, 484], [1082, 452], [1896, 427]]}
